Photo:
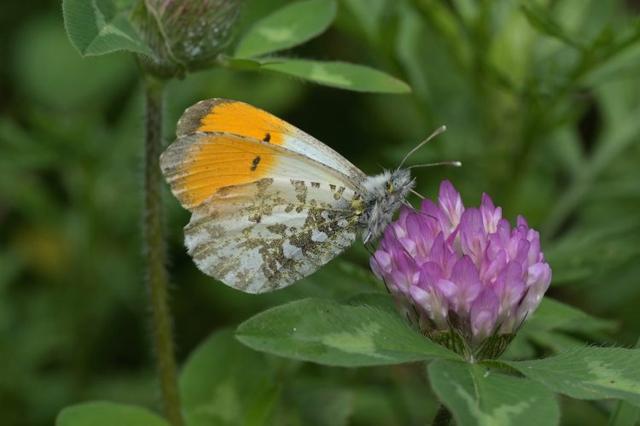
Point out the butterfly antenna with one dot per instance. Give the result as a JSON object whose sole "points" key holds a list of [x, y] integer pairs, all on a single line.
{"points": [[408, 204], [422, 197], [440, 163], [438, 131]]}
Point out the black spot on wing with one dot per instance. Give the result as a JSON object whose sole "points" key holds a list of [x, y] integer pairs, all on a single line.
{"points": [[254, 163], [267, 137]]}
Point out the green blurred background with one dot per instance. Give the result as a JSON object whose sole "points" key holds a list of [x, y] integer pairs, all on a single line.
{"points": [[543, 110]]}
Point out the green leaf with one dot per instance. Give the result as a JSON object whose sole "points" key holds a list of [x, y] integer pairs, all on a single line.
{"points": [[224, 383], [290, 26], [555, 325], [542, 20], [101, 413], [96, 27], [588, 373], [476, 395], [625, 414], [241, 64], [587, 252], [365, 331], [342, 75], [554, 315], [322, 404]]}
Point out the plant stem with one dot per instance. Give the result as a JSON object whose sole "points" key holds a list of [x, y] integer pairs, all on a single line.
{"points": [[443, 417], [155, 253]]}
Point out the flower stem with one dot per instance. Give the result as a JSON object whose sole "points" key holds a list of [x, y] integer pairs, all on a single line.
{"points": [[443, 417], [155, 253]]}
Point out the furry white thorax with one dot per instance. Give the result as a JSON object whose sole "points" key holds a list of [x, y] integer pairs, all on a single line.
{"points": [[383, 195]]}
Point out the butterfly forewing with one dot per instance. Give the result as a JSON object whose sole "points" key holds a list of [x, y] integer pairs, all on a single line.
{"points": [[229, 116], [263, 216], [198, 165]]}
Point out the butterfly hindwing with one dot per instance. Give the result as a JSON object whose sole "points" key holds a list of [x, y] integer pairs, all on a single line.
{"points": [[267, 234]]}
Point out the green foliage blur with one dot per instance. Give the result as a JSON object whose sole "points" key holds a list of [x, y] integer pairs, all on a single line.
{"points": [[542, 102]]}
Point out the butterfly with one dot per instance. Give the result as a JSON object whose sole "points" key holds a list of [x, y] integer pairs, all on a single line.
{"points": [[271, 204]]}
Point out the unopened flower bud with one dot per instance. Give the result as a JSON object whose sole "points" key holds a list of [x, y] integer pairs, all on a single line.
{"points": [[184, 35]]}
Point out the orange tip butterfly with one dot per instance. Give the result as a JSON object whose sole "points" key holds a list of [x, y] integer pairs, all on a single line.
{"points": [[271, 204]]}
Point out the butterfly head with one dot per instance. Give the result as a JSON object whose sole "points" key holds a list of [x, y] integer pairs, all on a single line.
{"points": [[384, 194]]}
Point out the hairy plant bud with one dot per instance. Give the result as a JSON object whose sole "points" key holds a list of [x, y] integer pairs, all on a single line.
{"points": [[184, 35]]}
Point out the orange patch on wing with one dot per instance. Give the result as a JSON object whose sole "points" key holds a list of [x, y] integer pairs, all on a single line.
{"points": [[245, 120], [219, 161]]}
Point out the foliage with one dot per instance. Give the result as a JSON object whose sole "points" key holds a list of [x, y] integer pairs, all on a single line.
{"points": [[287, 27], [99, 26], [541, 101], [478, 396], [224, 383], [96, 28], [107, 413], [588, 373], [364, 331]]}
